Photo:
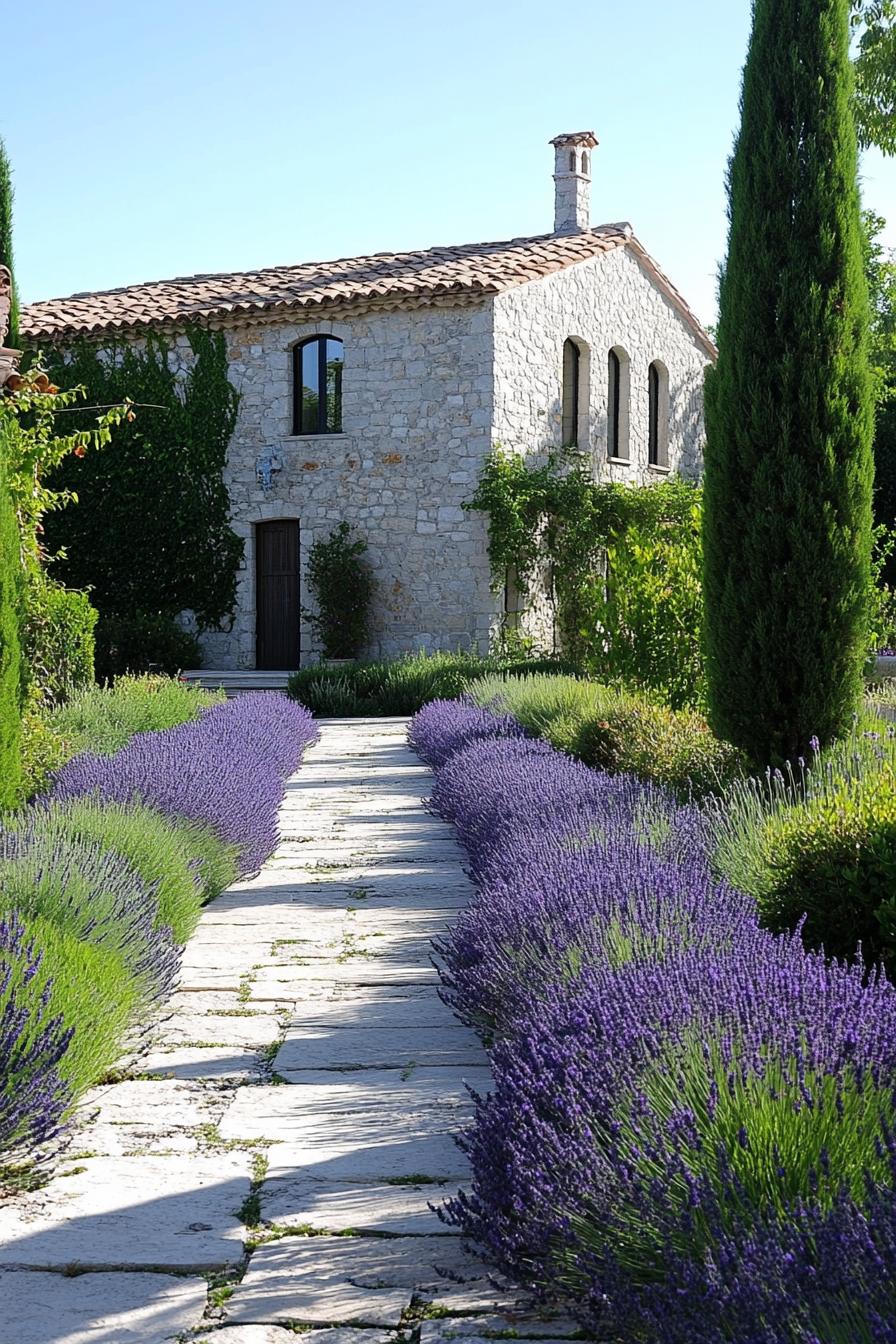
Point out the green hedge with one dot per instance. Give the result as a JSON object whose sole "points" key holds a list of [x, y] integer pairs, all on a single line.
{"points": [[617, 730], [399, 686], [816, 846]]}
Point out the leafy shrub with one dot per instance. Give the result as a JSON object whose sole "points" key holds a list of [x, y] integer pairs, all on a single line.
{"points": [[817, 844], [103, 719], [225, 771], [616, 730], [343, 586], [143, 642], [183, 862], [44, 748], [690, 1134], [59, 639], [401, 685]]}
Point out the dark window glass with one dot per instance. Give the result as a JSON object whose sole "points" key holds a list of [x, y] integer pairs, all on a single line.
{"points": [[658, 451], [570, 407], [614, 376], [317, 386]]}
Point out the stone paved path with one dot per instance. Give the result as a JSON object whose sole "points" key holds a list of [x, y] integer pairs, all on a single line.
{"points": [[305, 1081]]}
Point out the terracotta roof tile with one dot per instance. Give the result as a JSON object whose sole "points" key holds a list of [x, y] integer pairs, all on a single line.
{"points": [[478, 268], [384, 278]]}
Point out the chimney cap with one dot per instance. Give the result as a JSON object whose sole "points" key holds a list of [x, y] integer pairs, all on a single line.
{"points": [[586, 138]]}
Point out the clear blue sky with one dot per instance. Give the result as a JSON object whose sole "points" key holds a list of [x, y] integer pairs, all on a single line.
{"points": [[155, 138]]}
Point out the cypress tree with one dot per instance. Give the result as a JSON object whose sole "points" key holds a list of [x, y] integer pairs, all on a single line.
{"points": [[6, 242], [11, 668], [789, 418]]}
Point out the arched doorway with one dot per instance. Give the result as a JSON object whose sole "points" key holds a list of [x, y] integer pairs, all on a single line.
{"points": [[277, 599]]}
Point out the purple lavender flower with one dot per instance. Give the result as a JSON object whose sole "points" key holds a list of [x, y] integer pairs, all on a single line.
{"points": [[649, 1043], [33, 1097], [226, 769]]}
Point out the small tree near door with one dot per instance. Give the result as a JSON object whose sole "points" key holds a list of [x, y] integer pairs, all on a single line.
{"points": [[342, 583]]}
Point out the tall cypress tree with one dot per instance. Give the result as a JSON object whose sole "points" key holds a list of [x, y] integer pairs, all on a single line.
{"points": [[6, 241], [789, 416]]}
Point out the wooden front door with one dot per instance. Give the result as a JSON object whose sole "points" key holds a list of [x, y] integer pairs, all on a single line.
{"points": [[277, 595]]}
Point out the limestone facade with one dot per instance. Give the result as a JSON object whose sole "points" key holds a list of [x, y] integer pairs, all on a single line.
{"points": [[426, 393], [417, 420]]}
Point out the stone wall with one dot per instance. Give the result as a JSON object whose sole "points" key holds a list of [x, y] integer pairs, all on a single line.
{"points": [[604, 303], [417, 415]]}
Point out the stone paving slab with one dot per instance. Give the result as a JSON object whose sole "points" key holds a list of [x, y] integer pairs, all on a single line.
{"points": [[380, 1047], [280, 981], [275, 1334], [218, 1063], [276, 1112], [251, 1031], [362, 1280], [528, 1325], [339, 1206], [134, 1212], [38, 1308], [366, 1008]]}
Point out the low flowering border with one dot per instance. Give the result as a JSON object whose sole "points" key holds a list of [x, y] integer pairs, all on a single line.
{"points": [[225, 768], [92, 908], [691, 1132]]}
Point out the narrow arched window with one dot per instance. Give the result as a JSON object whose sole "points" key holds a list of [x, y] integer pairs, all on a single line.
{"points": [[572, 160], [585, 162], [614, 378], [658, 415], [618, 394], [317, 386], [571, 381]]}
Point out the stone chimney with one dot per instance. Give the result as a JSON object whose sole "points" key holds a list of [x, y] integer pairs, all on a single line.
{"points": [[572, 181]]}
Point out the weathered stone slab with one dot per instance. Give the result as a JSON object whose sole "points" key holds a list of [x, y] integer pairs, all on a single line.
{"points": [[517, 1324], [38, 1308], [363, 1280], [276, 1112], [165, 1213], [211, 1029], [339, 1206], [378, 1047], [284, 981], [274, 1334], [367, 1008], [381, 1153], [146, 1117], [220, 1062]]}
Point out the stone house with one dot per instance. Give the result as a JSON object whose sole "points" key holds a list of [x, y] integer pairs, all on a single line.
{"points": [[372, 388]]}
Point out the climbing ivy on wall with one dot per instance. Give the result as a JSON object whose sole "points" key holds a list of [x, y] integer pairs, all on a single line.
{"points": [[151, 531], [623, 563]]}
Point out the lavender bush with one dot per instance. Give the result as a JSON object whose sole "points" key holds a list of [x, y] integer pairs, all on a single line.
{"points": [[691, 1133], [33, 1095], [226, 769]]}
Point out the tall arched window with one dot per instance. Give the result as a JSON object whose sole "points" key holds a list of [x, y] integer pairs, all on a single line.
{"points": [[572, 373], [658, 415], [618, 394], [317, 386]]}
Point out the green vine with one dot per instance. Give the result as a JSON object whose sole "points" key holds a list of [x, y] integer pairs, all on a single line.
{"points": [[151, 533], [554, 516]]}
